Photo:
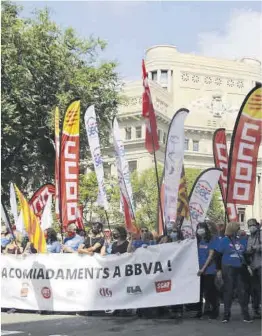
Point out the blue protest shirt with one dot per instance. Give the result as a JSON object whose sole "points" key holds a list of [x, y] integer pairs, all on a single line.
{"points": [[54, 247], [5, 241], [74, 242], [139, 243], [231, 255], [203, 252]]}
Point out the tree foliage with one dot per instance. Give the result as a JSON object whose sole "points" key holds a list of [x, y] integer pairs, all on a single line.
{"points": [[44, 66], [145, 195]]}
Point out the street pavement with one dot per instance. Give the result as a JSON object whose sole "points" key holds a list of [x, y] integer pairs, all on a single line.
{"points": [[18, 324]]}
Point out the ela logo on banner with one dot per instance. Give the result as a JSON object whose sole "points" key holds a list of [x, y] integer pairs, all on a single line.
{"points": [[133, 290]]}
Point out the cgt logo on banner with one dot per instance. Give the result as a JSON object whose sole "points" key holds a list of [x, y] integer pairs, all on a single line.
{"points": [[129, 281]]}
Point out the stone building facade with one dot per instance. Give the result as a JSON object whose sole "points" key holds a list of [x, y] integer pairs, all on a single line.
{"points": [[212, 89]]}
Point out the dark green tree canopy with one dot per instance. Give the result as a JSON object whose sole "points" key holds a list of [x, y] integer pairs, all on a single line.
{"points": [[43, 67]]}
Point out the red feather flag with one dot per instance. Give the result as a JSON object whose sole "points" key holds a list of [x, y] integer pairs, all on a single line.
{"points": [[245, 144], [151, 141], [221, 161]]}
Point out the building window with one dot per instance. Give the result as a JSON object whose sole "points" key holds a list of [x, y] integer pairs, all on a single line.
{"points": [[164, 138], [241, 215], [159, 134], [128, 133], [132, 166], [164, 76], [186, 144], [195, 146], [154, 75], [138, 132]]}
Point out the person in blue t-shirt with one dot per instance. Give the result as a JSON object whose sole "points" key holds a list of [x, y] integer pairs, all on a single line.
{"points": [[207, 270], [235, 274], [52, 243], [73, 240]]}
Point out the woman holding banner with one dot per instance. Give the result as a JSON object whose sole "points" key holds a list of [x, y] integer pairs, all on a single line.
{"points": [[207, 270]]}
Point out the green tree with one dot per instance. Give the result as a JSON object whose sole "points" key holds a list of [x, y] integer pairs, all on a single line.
{"points": [[44, 66], [146, 196], [88, 197]]}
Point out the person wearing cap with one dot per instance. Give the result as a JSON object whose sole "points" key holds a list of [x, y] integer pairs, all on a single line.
{"points": [[73, 240], [254, 248]]}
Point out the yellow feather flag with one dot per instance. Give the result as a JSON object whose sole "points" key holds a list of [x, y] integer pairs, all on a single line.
{"points": [[183, 204], [32, 224]]}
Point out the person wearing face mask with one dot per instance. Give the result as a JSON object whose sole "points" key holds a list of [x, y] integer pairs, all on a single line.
{"points": [[120, 245], [207, 270], [254, 248], [231, 250], [52, 244], [94, 242], [73, 240], [146, 240]]}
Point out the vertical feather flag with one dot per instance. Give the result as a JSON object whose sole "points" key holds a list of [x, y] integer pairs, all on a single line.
{"points": [[6, 219], [174, 158], [221, 161], [79, 220], [123, 177], [57, 161], [121, 160], [199, 199], [39, 199], [151, 140], [244, 148], [69, 165], [182, 203], [161, 199], [94, 144], [13, 203], [32, 224], [46, 218]]}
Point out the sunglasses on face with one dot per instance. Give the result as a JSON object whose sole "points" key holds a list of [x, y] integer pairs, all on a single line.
{"points": [[145, 230]]}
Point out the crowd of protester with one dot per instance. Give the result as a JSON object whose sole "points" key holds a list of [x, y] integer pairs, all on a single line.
{"points": [[229, 261]]}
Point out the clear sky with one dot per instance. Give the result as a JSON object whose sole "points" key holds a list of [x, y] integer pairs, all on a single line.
{"points": [[220, 29]]}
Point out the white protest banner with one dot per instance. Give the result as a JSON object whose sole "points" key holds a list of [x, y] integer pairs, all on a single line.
{"points": [[200, 198], [159, 275], [173, 165], [94, 144]]}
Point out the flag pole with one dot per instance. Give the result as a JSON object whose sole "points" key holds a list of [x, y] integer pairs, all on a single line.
{"points": [[107, 218], [7, 221], [157, 182]]}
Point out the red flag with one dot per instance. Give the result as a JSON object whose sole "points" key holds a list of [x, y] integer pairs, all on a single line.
{"points": [[39, 199], [129, 218], [151, 141], [69, 165], [79, 220], [221, 161], [245, 144]]}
